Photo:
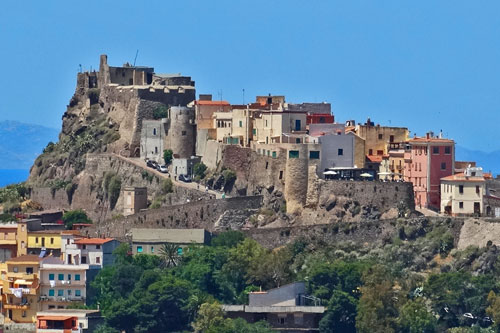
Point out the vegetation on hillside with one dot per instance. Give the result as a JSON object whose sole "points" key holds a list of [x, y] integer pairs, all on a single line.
{"points": [[414, 281], [75, 216]]}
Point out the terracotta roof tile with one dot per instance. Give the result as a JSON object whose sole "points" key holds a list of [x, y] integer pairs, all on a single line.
{"points": [[220, 103]]}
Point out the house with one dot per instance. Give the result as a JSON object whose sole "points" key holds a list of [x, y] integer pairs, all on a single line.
{"points": [[427, 160], [275, 126], [462, 194], [61, 284], [205, 109], [184, 166], [21, 289], [134, 199], [8, 241], [96, 252], [287, 309], [150, 241], [68, 320], [153, 136], [44, 242]]}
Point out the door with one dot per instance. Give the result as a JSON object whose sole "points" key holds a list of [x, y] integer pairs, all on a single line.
{"points": [[43, 241], [477, 208], [297, 124]]}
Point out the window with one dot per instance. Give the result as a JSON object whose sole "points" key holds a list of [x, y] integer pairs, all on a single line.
{"points": [[477, 189], [179, 251], [281, 174], [298, 318], [60, 292], [156, 150], [267, 165], [84, 247], [152, 249], [435, 150], [391, 138], [52, 240], [380, 152], [69, 292], [297, 140], [240, 123], [60, 277], [274, 154], [447, 150], [340, 152], [293, 154], [154, 131], [98, 247], [36, 240], [77, 277], [443, 166], [29, 270], [322, 120], [24, 314], [23, 245], [139, 249], [69, 277], [84, 260], [254, 131], [51, 277], [314, 155], [97, 260], [461, 205], [15, 269], [78, 292], [380, 136], [281, 320], [51, 292], [370, 151], [183, 133]]}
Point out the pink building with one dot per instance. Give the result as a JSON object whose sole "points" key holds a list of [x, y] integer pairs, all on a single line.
{"points": [[427, 160]]}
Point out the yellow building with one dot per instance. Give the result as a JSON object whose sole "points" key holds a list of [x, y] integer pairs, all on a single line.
{"points": [[45, 240], [242, 127], [377, 138], [21, 289], [269, 126]]}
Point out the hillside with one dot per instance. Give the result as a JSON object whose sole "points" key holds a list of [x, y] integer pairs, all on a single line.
{"points": [[21, 143]]}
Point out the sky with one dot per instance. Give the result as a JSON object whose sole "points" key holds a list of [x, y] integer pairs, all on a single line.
{"points": [[425, 65]]}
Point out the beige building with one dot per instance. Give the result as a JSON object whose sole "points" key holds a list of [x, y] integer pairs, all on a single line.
{"points": [[61, 285], [462, 194], [222, 122], [273, 126], [377, 138], [150, 241], [134, 199], [205, 110]]}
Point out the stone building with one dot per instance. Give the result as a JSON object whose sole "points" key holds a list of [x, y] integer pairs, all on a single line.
{"points": [[134, 199], [150, 241], [153, 137]]}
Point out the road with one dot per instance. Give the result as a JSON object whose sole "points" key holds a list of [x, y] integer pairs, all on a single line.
{"points": [[194, 186]]}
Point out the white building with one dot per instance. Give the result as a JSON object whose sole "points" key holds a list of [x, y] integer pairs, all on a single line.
{"points": [[462, 194], [61, 284], [97, 252]]}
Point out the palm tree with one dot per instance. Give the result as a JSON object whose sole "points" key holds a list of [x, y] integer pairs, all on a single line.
{"points": [[169, 254]]}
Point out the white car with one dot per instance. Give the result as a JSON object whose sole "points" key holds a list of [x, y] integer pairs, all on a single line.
{"points": [[163, 168]]}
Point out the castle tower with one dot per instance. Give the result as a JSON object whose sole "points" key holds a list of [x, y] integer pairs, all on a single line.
{"points": [[182, 131], [104, 76], [296, 177]]}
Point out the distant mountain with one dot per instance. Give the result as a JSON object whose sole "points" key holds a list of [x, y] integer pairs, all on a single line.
{"points": [[488, 161], [21, 143]]}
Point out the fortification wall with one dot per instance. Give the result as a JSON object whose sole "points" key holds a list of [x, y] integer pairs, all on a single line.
{"points": [[89, 194], [297, 177], [205, 214], [170, 97]]}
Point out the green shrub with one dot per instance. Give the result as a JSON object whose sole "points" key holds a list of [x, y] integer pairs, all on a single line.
{"points": [[229, 176], [199, 170], [93, 95], [160, 112], [166, 186], [167, 156], [75, 216], [112, 185]]}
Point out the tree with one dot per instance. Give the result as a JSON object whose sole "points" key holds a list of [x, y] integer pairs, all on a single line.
{"points": [[166, 186], [341, 314], [210, 317], [169, 254], [199, 170], [415, 317], [167, 156], [229, 238], [75, 216], [160, 112]]}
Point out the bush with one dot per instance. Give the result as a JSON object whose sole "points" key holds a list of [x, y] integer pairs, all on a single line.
{"points": [[167, 156], [229, 177], [160, 112], [166, 186], [112, 185], [75, 216], [93, 95], [199, 170]]}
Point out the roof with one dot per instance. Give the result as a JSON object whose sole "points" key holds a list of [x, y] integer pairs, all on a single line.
{"points": [[219, 103], [71, 232], [26, 258], [58, 232], [168, 235], [273, 309], [460, 177], [430, 140], [93, 241], [54, 317], [52, 261]]}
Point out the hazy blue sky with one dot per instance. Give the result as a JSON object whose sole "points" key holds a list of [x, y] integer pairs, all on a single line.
{"points": [[427, 65]]}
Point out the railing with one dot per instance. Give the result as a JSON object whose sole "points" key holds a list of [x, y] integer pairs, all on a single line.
{"points": [[61, 299], [60, 284], [16, 306], [21, 275], [25, 291]]}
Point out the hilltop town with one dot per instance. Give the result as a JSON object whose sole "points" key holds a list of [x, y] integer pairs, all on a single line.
{"points": [[145, 166]]}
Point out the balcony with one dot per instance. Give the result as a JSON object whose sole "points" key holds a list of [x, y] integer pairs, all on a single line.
{"points": [[65, 284], [16, 306], [20, 275], [26, 291], [61, 299]]}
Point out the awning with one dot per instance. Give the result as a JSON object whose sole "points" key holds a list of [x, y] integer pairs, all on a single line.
{"points": [[20, 281], [365, 175], [329, 172]]}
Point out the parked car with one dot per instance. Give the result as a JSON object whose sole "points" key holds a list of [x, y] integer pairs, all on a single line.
{"points": [[151, 164], [185, 178], [162, 168]]}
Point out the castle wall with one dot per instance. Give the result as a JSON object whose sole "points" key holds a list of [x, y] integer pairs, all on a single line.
{"points": [[297, 177], [204, 214]]}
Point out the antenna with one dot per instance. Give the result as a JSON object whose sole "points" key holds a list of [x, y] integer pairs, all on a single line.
{"points": [[136, 53]]}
